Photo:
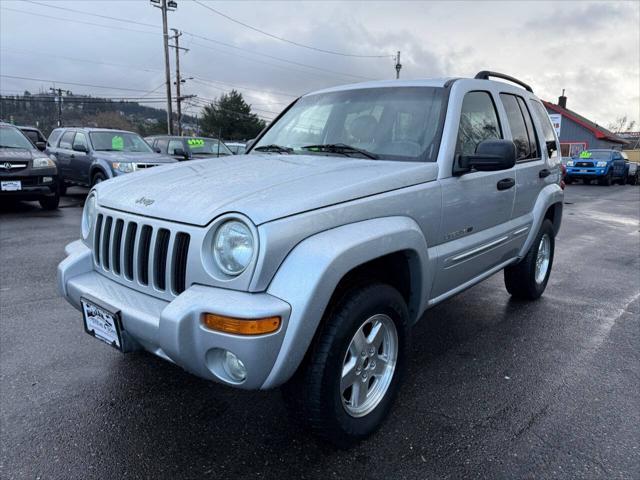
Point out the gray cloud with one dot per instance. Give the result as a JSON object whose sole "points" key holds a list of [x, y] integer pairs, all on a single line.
{"points": [[591, 49]]}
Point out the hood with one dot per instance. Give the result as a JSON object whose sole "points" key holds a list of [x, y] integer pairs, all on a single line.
{"points": [[19, 155], [135, 157], [263, 187]]}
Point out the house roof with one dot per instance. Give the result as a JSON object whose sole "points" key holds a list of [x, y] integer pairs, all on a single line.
{"points": [[597, 130]]}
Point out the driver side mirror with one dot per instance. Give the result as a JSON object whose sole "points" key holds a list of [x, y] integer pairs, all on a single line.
{"points": [[179, 152], [80, 148], [491, 155], [41, 146]]}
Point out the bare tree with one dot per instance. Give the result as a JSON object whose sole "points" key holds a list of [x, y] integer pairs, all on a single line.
{"points": [[622, 124]]}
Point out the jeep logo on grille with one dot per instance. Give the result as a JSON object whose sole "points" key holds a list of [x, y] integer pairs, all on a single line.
{"points": [[144, 201]]}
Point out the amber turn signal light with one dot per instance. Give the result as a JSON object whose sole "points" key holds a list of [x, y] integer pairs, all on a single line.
{"points": [[241, 326]]}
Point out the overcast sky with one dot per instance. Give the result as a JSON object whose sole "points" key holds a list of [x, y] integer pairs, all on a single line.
{"points": [[591, 49]]}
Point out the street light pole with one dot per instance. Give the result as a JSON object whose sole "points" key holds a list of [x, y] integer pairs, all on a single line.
{"points": [[167, 73]]}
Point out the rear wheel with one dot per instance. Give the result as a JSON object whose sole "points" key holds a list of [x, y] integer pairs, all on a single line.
{"points": [[346, 386], [528, 279]]}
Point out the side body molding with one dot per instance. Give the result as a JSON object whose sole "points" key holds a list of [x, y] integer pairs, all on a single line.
{"points": [[308, 276]]}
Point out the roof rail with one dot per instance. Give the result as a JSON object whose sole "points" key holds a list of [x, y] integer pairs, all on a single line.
{"points": [[485, 74]]}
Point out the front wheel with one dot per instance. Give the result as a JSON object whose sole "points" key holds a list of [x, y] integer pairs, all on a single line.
{"points": [[346, 386], [528, 279], [97, 178], [50, 203]]}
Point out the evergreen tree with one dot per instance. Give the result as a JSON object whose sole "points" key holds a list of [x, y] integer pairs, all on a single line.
{"points": [[230, 117]]}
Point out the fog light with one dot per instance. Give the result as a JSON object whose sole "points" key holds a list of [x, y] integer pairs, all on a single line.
{"points": [[47, 179], [234, 367]]}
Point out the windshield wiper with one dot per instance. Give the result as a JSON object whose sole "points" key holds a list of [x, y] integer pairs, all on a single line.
{"points": [[273, 148], [340, 148]]}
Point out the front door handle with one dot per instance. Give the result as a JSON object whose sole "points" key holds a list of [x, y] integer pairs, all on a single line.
{"points": [[544, 173], [506, 183]]}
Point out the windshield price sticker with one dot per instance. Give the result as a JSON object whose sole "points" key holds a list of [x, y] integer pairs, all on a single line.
{"points": [[585, 154], [195, 142], [117, 143]]}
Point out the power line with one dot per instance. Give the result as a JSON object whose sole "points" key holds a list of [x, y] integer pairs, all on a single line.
{"points": [[72, 83], [92, 14], [76, 21], [194, 35], [342, 54]]}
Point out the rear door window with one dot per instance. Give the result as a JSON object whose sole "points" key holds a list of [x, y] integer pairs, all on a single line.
{"points": [[67, 139], [478, 122], [516, 123], [81, 139], [174, 145]]}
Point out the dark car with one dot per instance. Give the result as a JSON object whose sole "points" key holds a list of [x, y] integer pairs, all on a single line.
{"points": [[189, 148], [25, 172], [606, 166], [36, 136], [86, 156]]}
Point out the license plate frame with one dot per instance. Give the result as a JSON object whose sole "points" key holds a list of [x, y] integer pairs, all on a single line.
{"points": [[102, 322], [11, 185]]}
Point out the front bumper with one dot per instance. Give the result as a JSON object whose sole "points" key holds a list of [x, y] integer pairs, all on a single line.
{"points": [[586, 172], [33, 186], [173, 330]]}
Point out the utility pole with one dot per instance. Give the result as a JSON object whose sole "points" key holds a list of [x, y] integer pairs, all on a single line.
{"points": [[398, 66], [179, 79], [58, 92], [165, 6]]}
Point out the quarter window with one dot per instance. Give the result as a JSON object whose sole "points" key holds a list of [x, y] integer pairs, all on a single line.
{"points": [[478, 122], [67, 140]]}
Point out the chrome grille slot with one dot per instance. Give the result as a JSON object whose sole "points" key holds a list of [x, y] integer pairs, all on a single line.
{"points": [[117, 246], [160, 259], [134, 251], [179, 264], [129, 244], [96, 240], [106, 240], [143, 255]]}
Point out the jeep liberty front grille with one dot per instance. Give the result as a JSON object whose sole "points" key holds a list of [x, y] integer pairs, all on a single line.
{"points": [[155, 258]]}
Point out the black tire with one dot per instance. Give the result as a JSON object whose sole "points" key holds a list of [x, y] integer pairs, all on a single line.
{"points": [[97, 178], [520, 279], [314, 393], [62, 188], [586, 181], [50, 203], [568, 180], [607, 181]]}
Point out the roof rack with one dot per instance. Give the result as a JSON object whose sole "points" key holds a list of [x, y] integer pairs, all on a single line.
{"points": [[485, 74]]}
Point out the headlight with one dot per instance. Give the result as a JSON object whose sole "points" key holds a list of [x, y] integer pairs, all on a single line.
{"points": [[124, 167], [43, 162], [601, 164], [88, 215], [569, 163], [233, 247]]}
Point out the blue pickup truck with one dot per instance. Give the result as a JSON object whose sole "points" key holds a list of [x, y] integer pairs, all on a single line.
{"points": [[606, 166]]}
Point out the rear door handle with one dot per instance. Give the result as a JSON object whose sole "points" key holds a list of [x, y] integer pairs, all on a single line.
{"points": [[544, 173], [506, 183]]}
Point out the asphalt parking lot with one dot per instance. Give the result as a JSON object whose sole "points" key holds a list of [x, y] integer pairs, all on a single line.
{"points": [[496, 388]]}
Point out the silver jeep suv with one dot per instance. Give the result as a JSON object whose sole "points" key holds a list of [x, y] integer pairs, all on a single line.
{"points": [[305, 263]]}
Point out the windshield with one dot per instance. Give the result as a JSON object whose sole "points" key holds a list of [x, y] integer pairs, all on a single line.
{"points": [[119, 142], [11, 137], [590, 155], [390, 123], [207, 146]]}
